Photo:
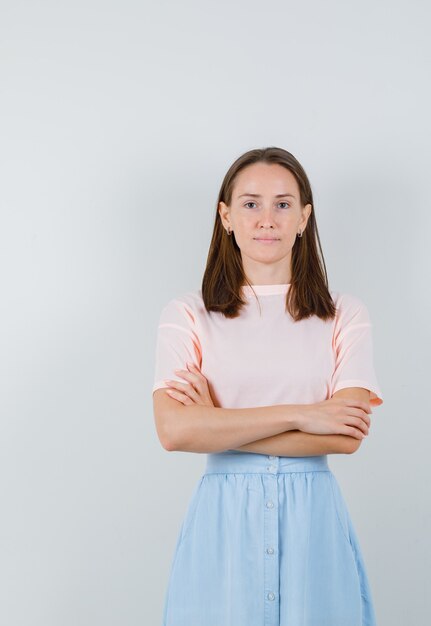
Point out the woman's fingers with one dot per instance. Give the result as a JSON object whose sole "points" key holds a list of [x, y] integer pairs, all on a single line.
{"points": [[354, 432], [195, 377], [190, 376], [177, 395], [184, 388], [196, 389], [364, 417], [359, 404], [361, 425]]}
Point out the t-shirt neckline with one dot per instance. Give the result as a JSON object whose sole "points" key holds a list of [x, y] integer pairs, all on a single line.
{"points": [[266, 290]]}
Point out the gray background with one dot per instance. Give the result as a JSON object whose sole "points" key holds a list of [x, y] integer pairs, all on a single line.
{"points": [[118, 123]]}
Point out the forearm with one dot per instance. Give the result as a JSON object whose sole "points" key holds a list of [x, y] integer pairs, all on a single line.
{"points": [[197, 428], [299, 443]]}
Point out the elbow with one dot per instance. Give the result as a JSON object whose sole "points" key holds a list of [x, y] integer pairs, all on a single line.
{"points": [[353, 445], [166, 441], [167, 438], [168, 445], [166, 434], [168, 419]]}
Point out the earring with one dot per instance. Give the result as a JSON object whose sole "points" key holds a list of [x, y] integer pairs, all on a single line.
{"points": [[228, 230], [300, 234]]}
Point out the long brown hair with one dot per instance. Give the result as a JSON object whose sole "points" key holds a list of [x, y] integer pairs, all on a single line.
{"points": [[224, 274]]}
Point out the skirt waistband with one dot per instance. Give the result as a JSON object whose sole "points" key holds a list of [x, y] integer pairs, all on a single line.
{"points": [[237, 462]]}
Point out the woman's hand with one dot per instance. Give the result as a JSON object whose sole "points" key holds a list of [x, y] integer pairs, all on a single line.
{"points": [[337, 415], [196, 391]]}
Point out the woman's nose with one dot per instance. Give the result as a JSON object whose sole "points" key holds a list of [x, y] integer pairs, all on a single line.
{"points": [[266, 218]]}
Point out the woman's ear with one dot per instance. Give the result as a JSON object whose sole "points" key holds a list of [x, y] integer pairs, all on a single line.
{"points": [[306, 211], [223, 210]]}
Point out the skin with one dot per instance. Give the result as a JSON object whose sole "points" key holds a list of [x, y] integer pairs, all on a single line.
{"points": [[343, 419], [267, 216]]}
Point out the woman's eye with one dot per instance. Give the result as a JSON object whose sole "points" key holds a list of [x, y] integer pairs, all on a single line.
{"points": [[286, 203]]}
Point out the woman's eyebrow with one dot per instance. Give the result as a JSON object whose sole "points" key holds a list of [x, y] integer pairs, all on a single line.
{"points": [[256, 195]]}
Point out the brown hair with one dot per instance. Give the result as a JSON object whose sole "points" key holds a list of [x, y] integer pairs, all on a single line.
{"points": [[224, 274]]}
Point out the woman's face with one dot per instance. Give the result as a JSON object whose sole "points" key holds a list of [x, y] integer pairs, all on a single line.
{"points": [[265, 216]]}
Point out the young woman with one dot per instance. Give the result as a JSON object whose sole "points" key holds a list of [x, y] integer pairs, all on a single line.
{"points": [[267, 371]]}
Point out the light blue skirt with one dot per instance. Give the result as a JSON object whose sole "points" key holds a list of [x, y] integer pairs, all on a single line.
{"points": [[267, 541]]}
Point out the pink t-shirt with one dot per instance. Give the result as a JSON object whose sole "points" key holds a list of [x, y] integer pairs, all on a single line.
{"points": [[263, 357]]}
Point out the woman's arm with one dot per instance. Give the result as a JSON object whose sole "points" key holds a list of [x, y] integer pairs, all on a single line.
{"points": [[200, 428], [298, 443], [203, 428]]}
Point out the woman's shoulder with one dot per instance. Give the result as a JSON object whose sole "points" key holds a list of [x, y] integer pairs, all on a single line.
{"points": [[188, 304], [190, 298], [349, 305], [344, 298]]}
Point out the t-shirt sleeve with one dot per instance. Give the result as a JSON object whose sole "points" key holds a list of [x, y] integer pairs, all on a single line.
{"points": [[353, 348], [177, 342]]}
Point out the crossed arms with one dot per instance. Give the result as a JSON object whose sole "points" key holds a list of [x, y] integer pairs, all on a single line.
{"points": [[263, 430]]}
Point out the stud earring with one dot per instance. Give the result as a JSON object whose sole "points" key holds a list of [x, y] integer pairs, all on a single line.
{"points": [[300, 234]]}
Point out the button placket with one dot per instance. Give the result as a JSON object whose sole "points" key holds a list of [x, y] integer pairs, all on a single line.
{"points": [[271, 530]]}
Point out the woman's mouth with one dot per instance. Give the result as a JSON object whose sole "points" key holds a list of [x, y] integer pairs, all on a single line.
{"points": [[266, 240]]}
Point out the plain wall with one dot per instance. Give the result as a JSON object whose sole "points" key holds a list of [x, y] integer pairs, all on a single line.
{"points": [[118, 123]]}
